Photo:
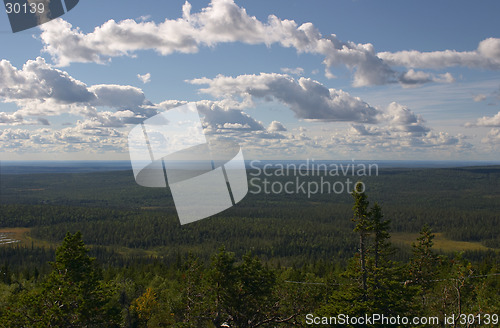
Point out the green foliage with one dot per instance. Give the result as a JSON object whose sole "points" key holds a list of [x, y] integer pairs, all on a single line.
{"points": [[372, 281], [144, 270], [71, 296], [112, 210], [244, 292], [423, 268], [360, 209]]}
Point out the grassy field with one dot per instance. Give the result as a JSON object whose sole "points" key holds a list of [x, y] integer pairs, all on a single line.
{"points": [[441, 243], [25, 238], [20, 234]]}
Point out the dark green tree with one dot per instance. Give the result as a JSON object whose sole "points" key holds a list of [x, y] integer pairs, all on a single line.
{"points": [[194, 305], [380, 227], [423, 267], [71, 296], [372, 282], [251, 303], [223, 281], [386, 292], [246, 293], [363, 227]]}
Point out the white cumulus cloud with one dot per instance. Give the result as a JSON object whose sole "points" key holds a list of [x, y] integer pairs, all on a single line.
{"points": [[487, 56], [307, 98], [39, 90], [486, 121], [276, 126], [223, 21]]}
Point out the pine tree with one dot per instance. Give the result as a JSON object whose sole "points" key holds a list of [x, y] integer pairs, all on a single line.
{"points": [[381, 289], [423, 266], [245, 292], [195, 302], [363, 227], [380, 228], [71, 296], [223, 281], [386, 293]]}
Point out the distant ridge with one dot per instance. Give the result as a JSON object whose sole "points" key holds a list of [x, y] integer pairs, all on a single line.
{"points": [[37, 167]]}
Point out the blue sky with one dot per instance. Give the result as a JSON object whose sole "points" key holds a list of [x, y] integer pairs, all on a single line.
{"points": [[286, 79]]}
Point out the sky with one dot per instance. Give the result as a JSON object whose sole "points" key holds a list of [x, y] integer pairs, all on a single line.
{"points": [[330, 80]]}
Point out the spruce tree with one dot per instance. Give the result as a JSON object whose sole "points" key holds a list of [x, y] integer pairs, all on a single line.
{"points": [[386, 291], [72, 295], [380, 227], [363, 227], [423, 266]]}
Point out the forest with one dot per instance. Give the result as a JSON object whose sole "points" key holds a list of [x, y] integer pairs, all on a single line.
{"points": [[97, 250]]}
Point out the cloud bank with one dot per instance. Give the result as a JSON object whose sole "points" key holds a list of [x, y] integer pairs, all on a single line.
{"points": [[307, 98], [39, 90], [222, 21]]}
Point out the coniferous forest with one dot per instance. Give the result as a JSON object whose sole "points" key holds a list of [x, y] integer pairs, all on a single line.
{"points": [[96, 250]]}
